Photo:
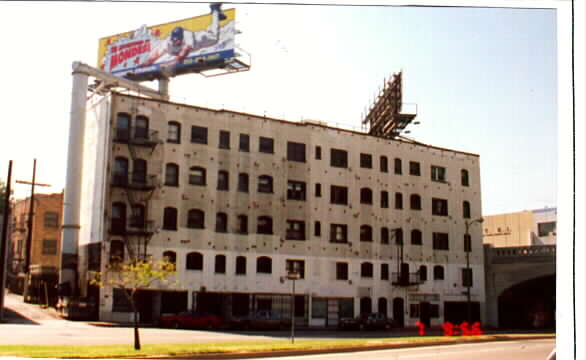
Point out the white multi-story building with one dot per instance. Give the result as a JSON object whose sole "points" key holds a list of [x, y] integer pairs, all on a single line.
{"points": [[238, 200]]}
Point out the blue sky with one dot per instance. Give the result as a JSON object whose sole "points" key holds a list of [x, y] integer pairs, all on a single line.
{"points": [[484, 79]]}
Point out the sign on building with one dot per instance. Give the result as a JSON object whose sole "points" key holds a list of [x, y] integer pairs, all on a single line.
{"points": [[191, 45]]}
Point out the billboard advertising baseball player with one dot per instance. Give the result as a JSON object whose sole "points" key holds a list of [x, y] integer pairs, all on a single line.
{"points": [[189, 45]]}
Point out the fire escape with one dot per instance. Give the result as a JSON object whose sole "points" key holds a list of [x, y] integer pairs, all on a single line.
{"points": [[139, 185], [403, 278]]}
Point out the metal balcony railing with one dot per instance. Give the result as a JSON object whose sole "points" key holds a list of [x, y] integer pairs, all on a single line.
{"points": [[405, 279], [132, 226], [135, 180], [136, 136]]}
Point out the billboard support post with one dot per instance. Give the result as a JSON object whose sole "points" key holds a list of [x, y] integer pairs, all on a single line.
{"points": [[164, 86]]}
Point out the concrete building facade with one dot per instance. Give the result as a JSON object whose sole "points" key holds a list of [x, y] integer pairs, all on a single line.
{"points": [[523, 228], [238, 201]]}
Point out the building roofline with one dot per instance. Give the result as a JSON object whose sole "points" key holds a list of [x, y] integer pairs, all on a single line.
{"points": [[317, 124]]}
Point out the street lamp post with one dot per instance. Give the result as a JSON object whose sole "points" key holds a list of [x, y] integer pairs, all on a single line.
{"points": [[468, 249], [293, 275]]}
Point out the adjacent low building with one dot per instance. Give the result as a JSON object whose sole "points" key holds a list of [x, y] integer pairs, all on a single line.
{"points": [[239, 201], [522, 228]]}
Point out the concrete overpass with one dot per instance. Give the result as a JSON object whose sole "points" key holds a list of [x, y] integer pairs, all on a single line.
{"points": [[520, 282]]}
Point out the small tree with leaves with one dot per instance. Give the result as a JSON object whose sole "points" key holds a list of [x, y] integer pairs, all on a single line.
{"points": [[133, 276]]}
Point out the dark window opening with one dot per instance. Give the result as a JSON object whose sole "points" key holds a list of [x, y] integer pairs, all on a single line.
{"points": [[339, 195], [264, 265], [441, 241], [194, 261], [366, 161], [199, 135], [244, 144], [266, 145], [295, 190], [295, 151], [195, 219], [339, 158], [224, 140], [295, 230], [338, 233], [341, 271], [265, 184], [264, 225], [414, 168]]}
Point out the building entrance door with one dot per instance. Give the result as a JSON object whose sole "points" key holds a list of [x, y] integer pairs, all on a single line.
{"points": [[398, 312], [425, 314]]}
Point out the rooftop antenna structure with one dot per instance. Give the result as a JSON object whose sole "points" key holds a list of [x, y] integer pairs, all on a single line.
{"points": [[385, 117]]}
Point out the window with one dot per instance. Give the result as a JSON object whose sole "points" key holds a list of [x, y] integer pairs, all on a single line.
{"points": [[423, 273], [366, 233], [170, 257], [317, 190], [116, 251], [295, 151], [366, 161], [441, 241], [122, 127], [174, 132], [438, 174], [366, 196], [319, 308], [416, 237], [339, 195], [240, 265], [139, 171], [317, 228], [398, 200], [415, 201], [49, 247], [170, 218], [384, 199], [51, 219], [338, 158], [338, 233], [384, 164], [224, 140], [120, 302], [137, 216], [264, 265], [242, 223], [295, 266], [466, 210], [546, 228], [295, 230], [398, 166], [194, 261], [414, 168], [318, 152], [220, 264], [118, 225], [265, 184], [195, 219], [243, 182], [244, 143], [438, 272], [398, 236], [366, 270], [266, 145], [264, 225], [120, 176], [439, 207], [341, 271], [172, 174], [384, 235], [221, 222], [467, 243], [465, 178], [199, 135], [223, 180], [197, 176], [141, 127], [467, 278], [295, 190], [384, 271]]}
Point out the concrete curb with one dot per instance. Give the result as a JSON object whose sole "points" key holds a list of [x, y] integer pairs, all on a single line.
{"points": [[283, 353]]}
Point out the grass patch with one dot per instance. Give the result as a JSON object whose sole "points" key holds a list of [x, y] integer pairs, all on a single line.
{"points": [[121, 351]]}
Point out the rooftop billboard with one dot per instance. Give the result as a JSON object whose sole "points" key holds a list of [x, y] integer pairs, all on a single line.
{"points": [[191, 45]]}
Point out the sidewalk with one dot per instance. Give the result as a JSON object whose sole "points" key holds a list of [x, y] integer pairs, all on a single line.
{"points": [[16, 311]]}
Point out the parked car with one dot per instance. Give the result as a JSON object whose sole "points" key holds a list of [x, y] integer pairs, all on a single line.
{"points": [[262, 319], [191, 320], [365, 321]]}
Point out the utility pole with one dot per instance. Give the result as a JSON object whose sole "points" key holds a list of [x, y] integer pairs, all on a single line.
{"points": [[4, 240], [468, 277]]}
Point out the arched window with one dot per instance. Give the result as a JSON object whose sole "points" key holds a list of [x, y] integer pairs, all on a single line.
{"points": [[438, 272], [172, 174], [197, 176], [384, 235], [384, 164], [174, 132], [170, 218], [118, 218], [398, 236], [116, 251], [240, 265], [141, 127], [415, 202], [170, 256], [365, 305], [264, 225], [466, 209], [194, 261], [265, 184], [416, 237], [366, 233], [366, 196], [221, 222], [264, 265], [220, 264], [195, 219], [122, 127], [366, 270], [423, 273], [465, 178], [382, 306]]}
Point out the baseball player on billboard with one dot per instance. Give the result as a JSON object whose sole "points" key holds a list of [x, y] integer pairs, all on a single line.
{"points": [[182, 42]]}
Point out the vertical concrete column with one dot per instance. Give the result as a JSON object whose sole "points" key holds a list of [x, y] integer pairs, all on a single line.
{"points": [[72, 196]]}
